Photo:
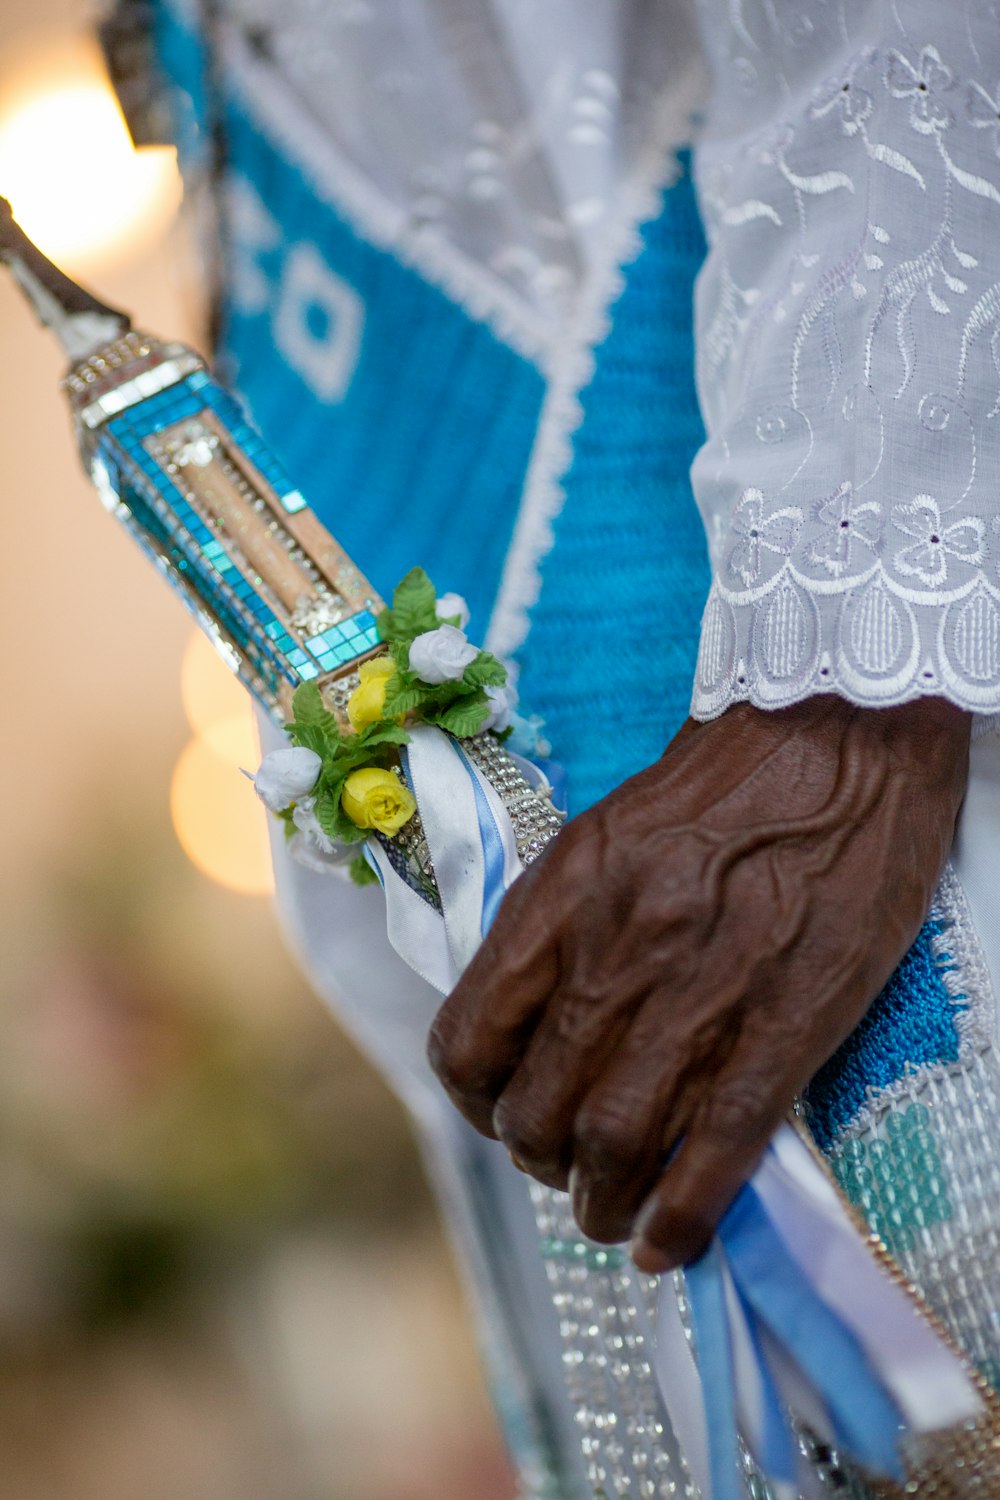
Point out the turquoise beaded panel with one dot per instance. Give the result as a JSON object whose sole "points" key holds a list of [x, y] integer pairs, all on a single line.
{"points": [[897, 1182], [178, 533]]}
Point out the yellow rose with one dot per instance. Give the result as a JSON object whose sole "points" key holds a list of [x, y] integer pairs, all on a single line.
{"points": [[365, 704], [377, 799]]}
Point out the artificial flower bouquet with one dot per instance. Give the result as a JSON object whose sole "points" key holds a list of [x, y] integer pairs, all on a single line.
{"points": [[341, 780]]}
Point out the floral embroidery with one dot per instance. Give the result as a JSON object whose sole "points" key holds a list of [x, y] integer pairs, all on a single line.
{"points": [[852, 280], [983, 111], [848, 523], [844, 96], [925, 85], [774, 533], [927, 558]]}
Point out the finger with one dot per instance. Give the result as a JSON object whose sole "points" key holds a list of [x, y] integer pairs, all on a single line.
{"points": [[636, 1112], [534, 1115], [480, 1032], [725, 1140]]}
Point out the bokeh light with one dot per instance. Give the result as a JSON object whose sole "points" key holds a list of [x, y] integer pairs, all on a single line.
{"points": [[220, 824], [216, 703], [78, 186]]}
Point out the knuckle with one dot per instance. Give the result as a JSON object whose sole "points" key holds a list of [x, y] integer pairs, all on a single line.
{"points": [[604, 1140], [737, 1114], [455, 1062], [577, 1021], [520, 1132], [529, 1138]]}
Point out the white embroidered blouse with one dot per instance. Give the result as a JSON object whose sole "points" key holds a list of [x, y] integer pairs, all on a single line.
{"points": [[848, 315], [849, 352]]}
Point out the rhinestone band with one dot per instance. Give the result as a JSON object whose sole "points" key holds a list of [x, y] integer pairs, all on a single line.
{"points": [[535, 819]]}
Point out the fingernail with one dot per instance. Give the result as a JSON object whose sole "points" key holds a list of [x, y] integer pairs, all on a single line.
{"points": [[650, 1258]]}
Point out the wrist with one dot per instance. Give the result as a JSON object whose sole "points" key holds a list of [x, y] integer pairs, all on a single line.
{"points": [[807, 748]]}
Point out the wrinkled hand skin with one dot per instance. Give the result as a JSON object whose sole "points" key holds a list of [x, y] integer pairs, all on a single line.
{"points": [[668, 976]]}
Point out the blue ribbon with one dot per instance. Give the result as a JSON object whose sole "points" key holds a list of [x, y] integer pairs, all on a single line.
{"points": [[494, 888], [779, 1449], [865, 1420], [715, 1364], [372, 863]]}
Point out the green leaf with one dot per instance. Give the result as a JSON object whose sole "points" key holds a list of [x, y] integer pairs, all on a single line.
{"points": [[312, 713], [464, 718], [351, 758], [310, 737], [485, 671], [307, 704], [401, 699], [361, 871], [334, 821], [383, 734], [443, 695], [383, 624], [355, 754], [413, 606], [327, 810]]}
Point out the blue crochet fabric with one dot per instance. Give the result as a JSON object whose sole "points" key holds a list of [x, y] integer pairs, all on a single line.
{"points": [[912, 1023], [610, 658], [425, 460]]}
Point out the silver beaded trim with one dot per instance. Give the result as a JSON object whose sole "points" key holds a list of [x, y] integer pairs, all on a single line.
{"points": [[536, 821], [605, 1309]]}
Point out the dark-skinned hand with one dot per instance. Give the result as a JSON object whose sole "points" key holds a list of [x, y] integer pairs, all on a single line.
{"points": [[668, 976]]}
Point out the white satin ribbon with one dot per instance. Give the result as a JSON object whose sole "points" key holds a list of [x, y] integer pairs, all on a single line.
{"points": [[414, 928], [680, 1386], [451, 794], [926, 1378]]}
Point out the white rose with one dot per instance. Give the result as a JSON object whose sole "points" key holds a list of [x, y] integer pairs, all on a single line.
{"points": [[314, 848], [450, 605], [441, 655], [286, 775], [501, 700], [306, 854]]}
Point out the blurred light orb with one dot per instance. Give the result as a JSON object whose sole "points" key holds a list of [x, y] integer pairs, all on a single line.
{"points": [[216, 704], [78, 186], [218, 821]]}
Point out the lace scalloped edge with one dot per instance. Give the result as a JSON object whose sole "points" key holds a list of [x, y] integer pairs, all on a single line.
{"points": [[881, 648], [706, 707]]}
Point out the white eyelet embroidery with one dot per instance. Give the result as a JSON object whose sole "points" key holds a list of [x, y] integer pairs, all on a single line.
{"points": [[849, 353]]}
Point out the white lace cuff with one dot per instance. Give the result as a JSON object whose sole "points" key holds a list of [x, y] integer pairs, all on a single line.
{"points": [[848, 329], [872, 642]]}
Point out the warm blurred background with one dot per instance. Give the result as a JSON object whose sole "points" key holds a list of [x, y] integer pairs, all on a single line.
{"points": [[213, 1284]]}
